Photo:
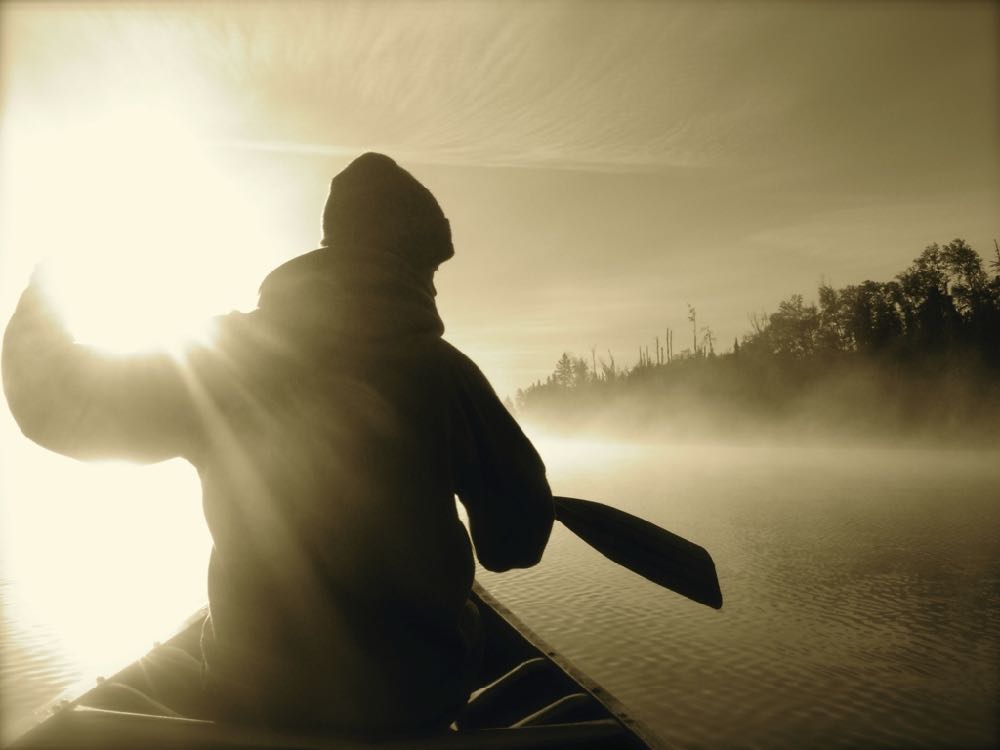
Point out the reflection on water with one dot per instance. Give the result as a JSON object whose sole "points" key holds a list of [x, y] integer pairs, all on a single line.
{"points": [[862, 589], [99, 560]]}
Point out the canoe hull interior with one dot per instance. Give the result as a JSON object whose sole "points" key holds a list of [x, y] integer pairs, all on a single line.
{"points": [[532, 699]]}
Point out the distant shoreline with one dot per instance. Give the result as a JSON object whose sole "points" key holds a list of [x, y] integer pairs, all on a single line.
{"points": [[915, 360]]}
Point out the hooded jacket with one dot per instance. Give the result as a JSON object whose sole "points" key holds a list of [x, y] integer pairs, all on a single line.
{"points": [[331, 428]]}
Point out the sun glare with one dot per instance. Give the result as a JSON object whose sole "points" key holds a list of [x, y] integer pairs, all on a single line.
{"points": [[106, 556], [143, 235]]}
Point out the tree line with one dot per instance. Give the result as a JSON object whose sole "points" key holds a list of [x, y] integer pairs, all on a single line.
{"points": [[935, 324], [946, 301]]}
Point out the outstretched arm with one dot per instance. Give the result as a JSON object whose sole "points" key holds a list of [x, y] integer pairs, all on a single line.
{"points": [[84, 404]]}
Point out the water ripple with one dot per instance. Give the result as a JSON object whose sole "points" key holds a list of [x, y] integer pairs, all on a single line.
{"points": [[858, 601]]}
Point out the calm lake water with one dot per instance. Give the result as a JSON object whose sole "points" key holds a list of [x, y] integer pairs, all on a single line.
{"points": [[862, 590]]}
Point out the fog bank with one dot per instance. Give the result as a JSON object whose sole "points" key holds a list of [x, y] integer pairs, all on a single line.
{"points": [[954, 402]]}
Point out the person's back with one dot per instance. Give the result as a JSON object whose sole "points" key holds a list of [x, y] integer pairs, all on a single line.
{"points": [[331, 429]]}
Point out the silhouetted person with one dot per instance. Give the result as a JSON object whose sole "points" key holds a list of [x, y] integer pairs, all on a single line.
{"points": [[331, 428]]}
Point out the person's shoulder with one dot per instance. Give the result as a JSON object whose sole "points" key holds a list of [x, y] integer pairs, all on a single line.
{"points": [[459, 360], [466, 370]]}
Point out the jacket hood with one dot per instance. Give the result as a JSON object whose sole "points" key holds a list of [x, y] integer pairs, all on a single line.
{"points": [[359, 296], [377, 204]]}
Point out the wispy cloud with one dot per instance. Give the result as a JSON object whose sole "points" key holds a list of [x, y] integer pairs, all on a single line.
{"points": [[571, 86], [632, 86]]}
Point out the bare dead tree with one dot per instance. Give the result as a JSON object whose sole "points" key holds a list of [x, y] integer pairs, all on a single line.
{"points": [[709, 339], [693, 319]]}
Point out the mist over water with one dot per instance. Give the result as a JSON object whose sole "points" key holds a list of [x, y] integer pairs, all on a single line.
{"points": [[834, 400]]}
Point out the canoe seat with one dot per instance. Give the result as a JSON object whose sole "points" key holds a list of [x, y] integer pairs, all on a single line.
{"points": [[571, 709], [117, 696], [532, 687]]}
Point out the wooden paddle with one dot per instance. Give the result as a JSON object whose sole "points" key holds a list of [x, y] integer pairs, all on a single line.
{"points": [[644, 548]]}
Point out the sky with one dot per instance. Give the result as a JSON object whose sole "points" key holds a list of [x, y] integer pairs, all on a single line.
{"points": [[603, 164]]}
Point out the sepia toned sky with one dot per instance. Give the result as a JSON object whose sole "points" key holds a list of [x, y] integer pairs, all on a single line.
{"points": [[603, 164]]}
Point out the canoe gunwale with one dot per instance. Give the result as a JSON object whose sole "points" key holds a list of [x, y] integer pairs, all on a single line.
{"points": [[615, 708], [88, 728]]}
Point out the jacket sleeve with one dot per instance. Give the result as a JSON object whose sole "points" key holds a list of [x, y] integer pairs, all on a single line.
{"points": [[84, 404], [499, 476]]}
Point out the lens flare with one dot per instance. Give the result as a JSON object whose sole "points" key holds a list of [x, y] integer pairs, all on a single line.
{"points": [[144, 235]]}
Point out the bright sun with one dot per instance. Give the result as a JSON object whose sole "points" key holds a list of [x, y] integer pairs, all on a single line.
{"points": [[143, 235]]}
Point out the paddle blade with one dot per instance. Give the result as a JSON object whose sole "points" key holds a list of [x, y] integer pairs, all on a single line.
{"points": [[644, 548]]}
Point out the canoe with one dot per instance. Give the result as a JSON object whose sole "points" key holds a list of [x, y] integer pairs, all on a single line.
{"points": [[534, 698]]}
